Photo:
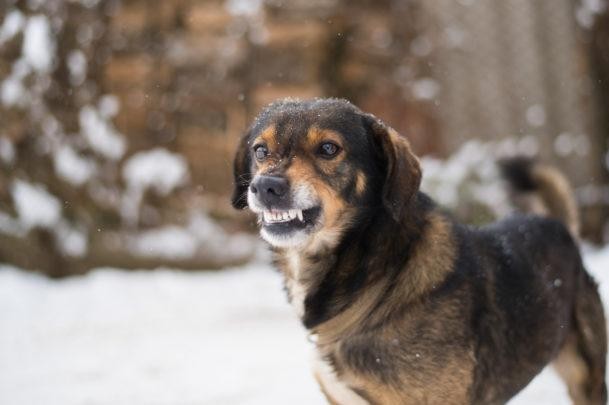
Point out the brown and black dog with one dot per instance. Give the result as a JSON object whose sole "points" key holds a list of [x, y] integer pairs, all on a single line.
{"points": [[406, 305]]}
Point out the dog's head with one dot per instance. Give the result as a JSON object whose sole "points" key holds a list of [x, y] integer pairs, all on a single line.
{"points": [[309, 168]]}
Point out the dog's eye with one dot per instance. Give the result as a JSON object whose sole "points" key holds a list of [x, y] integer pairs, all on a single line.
{"points": [[261, 152], [328, 149]]}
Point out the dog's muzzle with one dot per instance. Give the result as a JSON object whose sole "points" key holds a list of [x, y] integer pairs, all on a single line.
{"points": [[287, 214], [271, 191]]}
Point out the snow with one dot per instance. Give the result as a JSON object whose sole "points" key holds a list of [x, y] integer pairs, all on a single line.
{"points": [[591, 194], [7, 151], [70, 240], [425, 89], [35, 206], [528, 145], [421, 46], [157, 169], [13, 93], [164, 337], [536, 115], [100, 134], [212, 237], [12, 24], [170, 242], [587, 10], [167, 337], [455, 36], [72, 167], [38, 45], [10, 226], [199, 235], [77, 64], [244, 7], [566, 144], [469, 175], [108, 106], [89, 3]]}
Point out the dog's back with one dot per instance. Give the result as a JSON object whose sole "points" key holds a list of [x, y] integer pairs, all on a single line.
{"points": [[538, 281]]}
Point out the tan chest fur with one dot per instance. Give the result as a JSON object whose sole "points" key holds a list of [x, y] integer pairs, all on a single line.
{"points": [[335, 388], [297, 288]]}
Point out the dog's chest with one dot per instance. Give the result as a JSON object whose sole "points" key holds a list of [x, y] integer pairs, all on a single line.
{"points": [[333, 386], [297, 289]]}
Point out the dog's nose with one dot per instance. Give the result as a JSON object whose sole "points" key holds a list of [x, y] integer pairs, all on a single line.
{"points": [[270, 190]]}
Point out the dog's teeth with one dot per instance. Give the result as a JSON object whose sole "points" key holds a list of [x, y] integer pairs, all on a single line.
{"points": [[282, 216]]}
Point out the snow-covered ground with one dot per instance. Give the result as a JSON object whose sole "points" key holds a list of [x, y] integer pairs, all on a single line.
{"points": [[170, 337]]}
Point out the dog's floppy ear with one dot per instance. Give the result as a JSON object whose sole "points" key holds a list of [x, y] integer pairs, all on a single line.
{"points": [[402, 168], [242, 173]]}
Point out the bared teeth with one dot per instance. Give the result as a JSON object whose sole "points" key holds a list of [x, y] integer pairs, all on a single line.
{"points": [[282, 216]]}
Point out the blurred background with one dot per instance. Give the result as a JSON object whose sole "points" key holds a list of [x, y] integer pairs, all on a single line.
{"points": [[118, 124], [119, 118]]}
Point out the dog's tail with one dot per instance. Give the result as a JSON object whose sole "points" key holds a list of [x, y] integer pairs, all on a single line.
{"points": [[542, 190]]}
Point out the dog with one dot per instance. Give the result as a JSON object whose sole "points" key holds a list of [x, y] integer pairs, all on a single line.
{"points": [[404, 304]]}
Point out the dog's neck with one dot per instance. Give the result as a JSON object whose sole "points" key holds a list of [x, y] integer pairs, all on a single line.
{"points": [[331, 286]]}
